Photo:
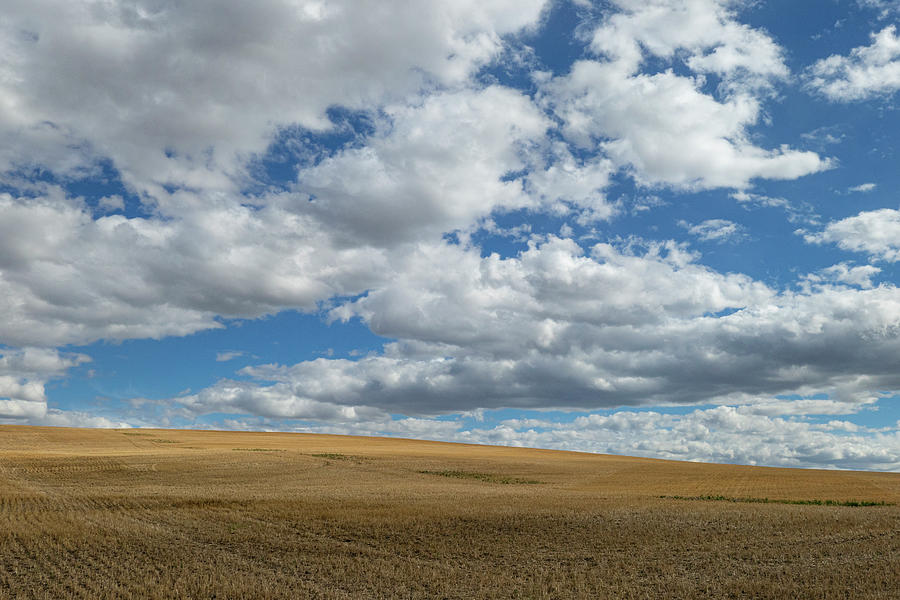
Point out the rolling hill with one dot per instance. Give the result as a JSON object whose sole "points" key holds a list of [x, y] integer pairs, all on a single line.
{"points": [[93, 513]]}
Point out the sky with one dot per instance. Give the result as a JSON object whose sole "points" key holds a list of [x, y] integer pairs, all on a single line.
{"points": [[662, 228]]}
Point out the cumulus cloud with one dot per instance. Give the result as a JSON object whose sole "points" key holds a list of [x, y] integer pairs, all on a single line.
{"points": [[23, 374], [556, 327], [439, 160], [182, 93], [566, 183], [706, 30], [875, 232], [868, 70], [71, 278], [860, 275], [437, 166], [180, 98], [662, 126], [724, 434], [335, 234]]}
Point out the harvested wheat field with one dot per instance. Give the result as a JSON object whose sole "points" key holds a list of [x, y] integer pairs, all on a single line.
{"points": [[191, 514]]}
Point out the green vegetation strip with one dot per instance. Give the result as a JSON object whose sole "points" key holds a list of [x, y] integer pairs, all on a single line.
{"points": [[258, 450], [778, 501], [486, 477]]}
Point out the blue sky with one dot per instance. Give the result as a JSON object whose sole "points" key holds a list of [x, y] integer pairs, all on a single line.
{"points": [[658, 228]]}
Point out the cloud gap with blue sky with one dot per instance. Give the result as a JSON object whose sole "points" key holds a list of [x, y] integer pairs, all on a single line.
{"points": [[660, 228]]}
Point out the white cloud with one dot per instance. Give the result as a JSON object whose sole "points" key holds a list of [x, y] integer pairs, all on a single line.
{"points": [[556, 328], [370, 206], [276, 401], [826, 135], [187, 95], [183, 93], [567, 182], [69, 418], [662, 126], [724, 434], [715, 230], [885, 8], [228, 355], [70, 278], [863, 187], [875, 232], [797, 212], [436, 162], [23, 374], [436, 167], [705, 29], [801, 407], [111, 203], [845, 273], [868, 70]]}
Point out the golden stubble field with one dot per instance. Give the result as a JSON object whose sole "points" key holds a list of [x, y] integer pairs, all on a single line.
{"points": [[191, 514]]}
